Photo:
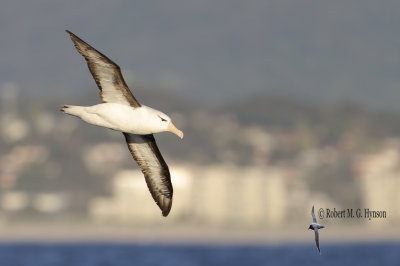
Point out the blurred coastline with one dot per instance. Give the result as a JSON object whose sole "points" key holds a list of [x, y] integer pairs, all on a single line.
{"points": [[246, 171], [189, 234]]}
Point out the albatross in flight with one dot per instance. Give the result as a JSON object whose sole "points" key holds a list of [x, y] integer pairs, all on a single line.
{"points": [[120, 111], [315, 226]]}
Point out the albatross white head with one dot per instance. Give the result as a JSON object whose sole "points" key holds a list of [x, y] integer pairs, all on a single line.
{"points": [[162, 122]]}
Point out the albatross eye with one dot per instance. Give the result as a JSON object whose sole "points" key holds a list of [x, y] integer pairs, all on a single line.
{"points": [[162, 119]]}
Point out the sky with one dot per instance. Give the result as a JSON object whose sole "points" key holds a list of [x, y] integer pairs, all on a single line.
{"points": [[320, 51]]}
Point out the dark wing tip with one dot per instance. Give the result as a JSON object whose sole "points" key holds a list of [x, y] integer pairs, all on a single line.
{"points": [[165, 206], [71, 34], [77, 41]]}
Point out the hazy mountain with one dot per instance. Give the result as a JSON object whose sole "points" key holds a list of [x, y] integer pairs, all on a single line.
{"points": [[211, 50]]}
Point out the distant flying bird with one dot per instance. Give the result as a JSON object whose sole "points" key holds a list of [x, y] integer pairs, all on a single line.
{"points": [[120, 111], [315, 226]]}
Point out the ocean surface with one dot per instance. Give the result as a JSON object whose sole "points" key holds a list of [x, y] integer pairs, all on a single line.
{"points": [[192, 255]]}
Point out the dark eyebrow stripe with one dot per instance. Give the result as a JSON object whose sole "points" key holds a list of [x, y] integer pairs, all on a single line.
{"points": [[163, 119]]}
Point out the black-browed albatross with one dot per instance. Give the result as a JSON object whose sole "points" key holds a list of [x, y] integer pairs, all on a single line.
{"points": [[120, 111]]}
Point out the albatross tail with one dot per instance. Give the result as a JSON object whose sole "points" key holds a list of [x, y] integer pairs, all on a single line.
{"points": [[72, 110]]}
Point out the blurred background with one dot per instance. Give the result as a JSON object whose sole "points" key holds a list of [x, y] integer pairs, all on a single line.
{"points": [[284, 105]]}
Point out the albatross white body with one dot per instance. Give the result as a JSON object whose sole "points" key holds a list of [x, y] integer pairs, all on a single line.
{"points": [[141, 120]]}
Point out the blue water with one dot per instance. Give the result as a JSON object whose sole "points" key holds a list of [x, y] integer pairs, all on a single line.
{"points": [[193, 255]]}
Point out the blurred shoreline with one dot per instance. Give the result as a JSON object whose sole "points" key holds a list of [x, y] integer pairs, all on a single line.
{"points": [[247, 172], [189, 235]]}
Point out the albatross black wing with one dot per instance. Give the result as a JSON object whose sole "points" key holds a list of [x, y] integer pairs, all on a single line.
{"points": [[145, 152], [317, 239], [106, 73], [313, 215]]}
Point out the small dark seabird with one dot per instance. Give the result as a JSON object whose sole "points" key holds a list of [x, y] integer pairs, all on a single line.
{"points": [[315, 226], [120, 111]]}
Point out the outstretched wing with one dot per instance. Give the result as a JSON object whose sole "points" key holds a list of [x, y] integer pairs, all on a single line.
{"points": [[106, 73], [313, 215], [317, 239], [145, 152]]}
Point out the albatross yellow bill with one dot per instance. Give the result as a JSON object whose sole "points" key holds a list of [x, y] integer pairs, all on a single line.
{"points": [[173, 129]]}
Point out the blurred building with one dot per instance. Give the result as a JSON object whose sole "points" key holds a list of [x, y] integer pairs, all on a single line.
{"points": [[380, 183], [216, 195], [13, 128], [131, 200]]}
